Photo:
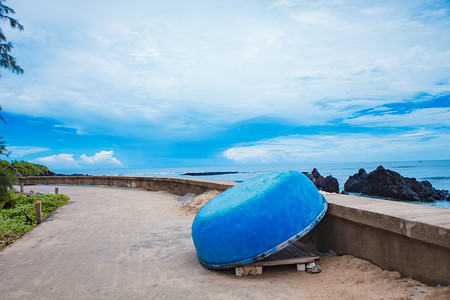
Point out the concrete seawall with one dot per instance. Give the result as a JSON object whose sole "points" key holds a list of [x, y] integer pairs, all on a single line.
{"points": [[177, 186], [409, 238]]}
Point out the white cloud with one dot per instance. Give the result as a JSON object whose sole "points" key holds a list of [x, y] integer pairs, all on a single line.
{"points": [[343, 147], [436, 117], [19, 151], [316, 17], [60, 161], [183, 69], [282, 3], [100, 160], [103, 158]]}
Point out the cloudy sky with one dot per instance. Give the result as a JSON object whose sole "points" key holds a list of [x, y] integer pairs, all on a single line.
{"points": [[142, 84]]}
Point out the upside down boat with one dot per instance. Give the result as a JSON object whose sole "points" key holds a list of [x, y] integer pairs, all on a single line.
{"points": [[256, 218]]}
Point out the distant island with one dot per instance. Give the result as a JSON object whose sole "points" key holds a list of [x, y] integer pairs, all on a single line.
{"points": [[209, 173]]}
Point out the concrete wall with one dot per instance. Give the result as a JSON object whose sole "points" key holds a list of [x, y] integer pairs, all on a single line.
{"points": [[410, 238], [177, 186]]}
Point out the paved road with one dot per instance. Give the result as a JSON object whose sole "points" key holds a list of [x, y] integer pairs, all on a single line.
{"points": [[115, 243]]}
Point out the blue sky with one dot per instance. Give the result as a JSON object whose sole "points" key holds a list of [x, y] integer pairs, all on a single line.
{"points": [[210, 83]]}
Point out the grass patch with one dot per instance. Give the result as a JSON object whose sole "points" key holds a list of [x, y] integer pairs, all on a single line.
{"points": [[13, 222]]}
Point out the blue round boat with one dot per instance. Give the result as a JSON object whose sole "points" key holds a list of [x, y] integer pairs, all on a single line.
{"points": [[256, 218]]}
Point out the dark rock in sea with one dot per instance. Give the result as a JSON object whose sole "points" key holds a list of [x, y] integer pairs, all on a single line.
{"points": [[75, 174], [208, 173], [390, 184], [48, 173], [327, 184]]}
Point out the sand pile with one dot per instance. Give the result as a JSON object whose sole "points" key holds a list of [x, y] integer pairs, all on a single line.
{"points": [[191, 203], [348, 277]]}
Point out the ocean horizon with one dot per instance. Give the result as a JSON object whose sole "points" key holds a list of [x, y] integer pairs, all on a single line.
{"points": [[437, 172]]}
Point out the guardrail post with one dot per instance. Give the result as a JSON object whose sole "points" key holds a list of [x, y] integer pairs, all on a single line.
{"points": [[38, 207]]}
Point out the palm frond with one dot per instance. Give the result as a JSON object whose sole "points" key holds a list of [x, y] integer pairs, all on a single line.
{"points": [[4, 12], [6, 60]]}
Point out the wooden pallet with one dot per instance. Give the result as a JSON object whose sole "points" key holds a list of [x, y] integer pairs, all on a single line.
{"points": [[294, 254]]}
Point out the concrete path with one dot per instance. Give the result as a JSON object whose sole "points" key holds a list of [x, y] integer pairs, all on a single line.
{"points": [[116, 243]]}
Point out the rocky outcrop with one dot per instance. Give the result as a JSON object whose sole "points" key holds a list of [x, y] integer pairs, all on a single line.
{"points": [[327, 184], [390, 184], [209, 173], [13, 170], [48, 173]]}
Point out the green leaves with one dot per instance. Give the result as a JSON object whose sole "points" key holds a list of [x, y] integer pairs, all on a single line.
{"points": [[28, 169], [7, 179], [6, 60], [2, 146], [9, 62], [5, 11], [12, 220]]}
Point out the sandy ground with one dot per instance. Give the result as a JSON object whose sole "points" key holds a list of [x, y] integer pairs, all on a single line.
{"points": [[116, 243]]}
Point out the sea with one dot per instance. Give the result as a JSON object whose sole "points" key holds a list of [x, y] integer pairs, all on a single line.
{"points": [[437, 172]]}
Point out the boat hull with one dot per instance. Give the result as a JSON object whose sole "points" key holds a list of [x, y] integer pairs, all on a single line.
{"points": [[256, 218]]}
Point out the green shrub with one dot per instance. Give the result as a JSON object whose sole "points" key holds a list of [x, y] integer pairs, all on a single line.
{"points": [[4, 164], [28, 169], [13, 222], [7, 179]]}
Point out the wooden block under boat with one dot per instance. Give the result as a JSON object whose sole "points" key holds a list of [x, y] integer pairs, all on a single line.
{"points": [[294, 254]]}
